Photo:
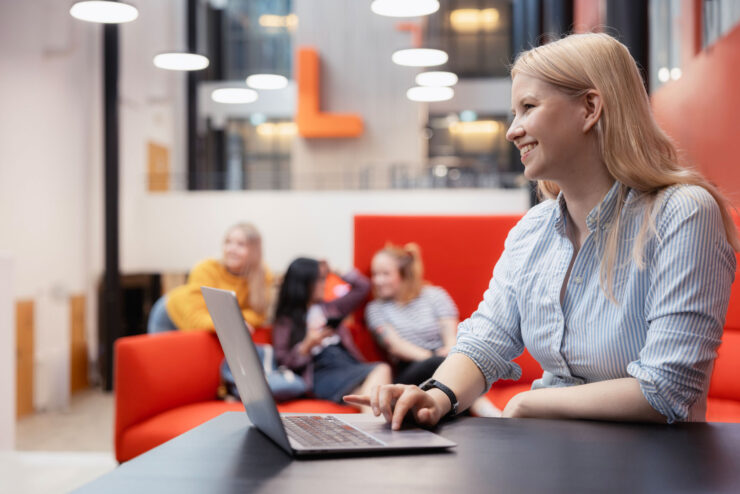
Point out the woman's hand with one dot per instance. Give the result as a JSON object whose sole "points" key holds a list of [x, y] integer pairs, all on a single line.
{"points": [[517, 406], [394, 401], [314, 336]]}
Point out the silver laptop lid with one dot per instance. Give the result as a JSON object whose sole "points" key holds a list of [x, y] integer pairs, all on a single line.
{"points": [[245, 364]]}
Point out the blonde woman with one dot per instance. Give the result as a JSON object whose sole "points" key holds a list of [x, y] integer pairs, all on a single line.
{"points": [[414, 321], [240, 269], [618, 284]]}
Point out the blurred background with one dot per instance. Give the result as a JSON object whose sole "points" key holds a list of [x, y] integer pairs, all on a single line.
{"points": [[117, 174]]}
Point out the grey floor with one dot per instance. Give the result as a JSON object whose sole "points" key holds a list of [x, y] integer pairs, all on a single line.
{"points": [[59, 451]]}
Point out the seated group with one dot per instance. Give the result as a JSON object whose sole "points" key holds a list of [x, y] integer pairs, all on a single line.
{"points": [[313, 351]]}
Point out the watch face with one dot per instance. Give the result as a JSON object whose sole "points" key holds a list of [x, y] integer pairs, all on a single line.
{"points": [[427, 385]]}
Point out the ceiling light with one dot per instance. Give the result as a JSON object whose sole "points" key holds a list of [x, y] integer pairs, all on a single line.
{"points": [[420, 57], [430, 93], [404, 8], [436, 79], [180, 61], [234, 95], [664, 74], [289, 21], [474, 20], [104, 12], [477, 127], [675, 73], [267, 81], [277, 129]]}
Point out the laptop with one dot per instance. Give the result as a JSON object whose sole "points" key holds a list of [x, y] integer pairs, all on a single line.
{"points": [[301, 433]]}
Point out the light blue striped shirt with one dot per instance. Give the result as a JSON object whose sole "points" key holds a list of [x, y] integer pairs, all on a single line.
{"points": [[666, 328]]}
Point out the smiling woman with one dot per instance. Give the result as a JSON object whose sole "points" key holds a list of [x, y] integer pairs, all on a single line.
{"points": [[240, 269], [618, 284]]}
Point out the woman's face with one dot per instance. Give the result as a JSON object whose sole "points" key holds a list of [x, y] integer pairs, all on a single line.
{"points": [[386, 277], [547, 128], [236, 251]]}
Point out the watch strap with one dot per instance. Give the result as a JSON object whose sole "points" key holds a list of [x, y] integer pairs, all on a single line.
{"points": [[433, 383]]}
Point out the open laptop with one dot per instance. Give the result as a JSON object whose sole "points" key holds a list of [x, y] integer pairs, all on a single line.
{"points": [[300, 433]]}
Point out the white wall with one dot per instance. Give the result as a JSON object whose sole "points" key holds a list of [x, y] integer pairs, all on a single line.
{"points": [[7, 355], [47, 76], [51, 157], [182, 228]]}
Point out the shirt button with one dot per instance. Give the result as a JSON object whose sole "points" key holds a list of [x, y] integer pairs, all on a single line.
{"points": [[578, 280]]}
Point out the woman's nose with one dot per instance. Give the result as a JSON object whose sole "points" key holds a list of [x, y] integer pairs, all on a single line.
{"points": [[515, 131]]}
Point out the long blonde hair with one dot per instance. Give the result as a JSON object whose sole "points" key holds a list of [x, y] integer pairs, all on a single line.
{"points": [[410, 267], [637, 153], [254, 270]]}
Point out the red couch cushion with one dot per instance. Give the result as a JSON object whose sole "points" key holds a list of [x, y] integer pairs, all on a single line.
{"points": [[155, 430], [719, 410], [500, 394], [725, 382], [151, 376], [459, 252]]}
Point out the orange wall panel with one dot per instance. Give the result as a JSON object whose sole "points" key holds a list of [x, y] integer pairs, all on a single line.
{"points": [[701, 112], [310, 120]]}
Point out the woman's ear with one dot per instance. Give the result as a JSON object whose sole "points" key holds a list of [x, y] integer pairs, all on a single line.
{"points": [[593, 105]]}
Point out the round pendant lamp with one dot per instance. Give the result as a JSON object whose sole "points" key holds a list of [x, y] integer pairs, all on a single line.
{"points": [[429, 94], [234, 95], [419, 57], [267, 81], [404, 8], [104, 12], [436, 79], [181, 61]]}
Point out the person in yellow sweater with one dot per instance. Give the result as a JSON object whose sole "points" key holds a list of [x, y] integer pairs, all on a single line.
{"points": [[241, 270]]}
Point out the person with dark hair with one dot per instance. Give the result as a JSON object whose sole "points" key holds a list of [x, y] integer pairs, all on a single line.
{"points": [[310, 339]]}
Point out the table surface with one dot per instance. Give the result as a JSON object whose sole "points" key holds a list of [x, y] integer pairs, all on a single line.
{"points": [[228, 455]]}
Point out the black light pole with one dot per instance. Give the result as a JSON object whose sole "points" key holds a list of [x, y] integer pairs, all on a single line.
{"points": [[630, 20], [192, 99], [112, 280]]}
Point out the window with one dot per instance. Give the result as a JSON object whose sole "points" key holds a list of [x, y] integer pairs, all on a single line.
{"points": [[475, 33]]}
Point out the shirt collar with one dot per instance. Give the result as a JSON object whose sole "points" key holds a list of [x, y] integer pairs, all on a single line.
{"points": [[601, 215]]}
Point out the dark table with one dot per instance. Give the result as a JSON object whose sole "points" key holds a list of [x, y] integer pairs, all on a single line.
{"points": [[227, 455]]}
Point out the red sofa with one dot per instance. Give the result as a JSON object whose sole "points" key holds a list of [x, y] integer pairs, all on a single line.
{"points": [[166, 384]]}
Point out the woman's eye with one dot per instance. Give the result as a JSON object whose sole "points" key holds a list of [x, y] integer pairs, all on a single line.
{"points": [[528, 106]]}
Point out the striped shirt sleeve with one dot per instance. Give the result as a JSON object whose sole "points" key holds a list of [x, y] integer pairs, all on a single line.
{"points": [[691, 271]]}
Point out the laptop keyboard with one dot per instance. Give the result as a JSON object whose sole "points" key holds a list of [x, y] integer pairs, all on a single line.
{"points": [[315, 430]]}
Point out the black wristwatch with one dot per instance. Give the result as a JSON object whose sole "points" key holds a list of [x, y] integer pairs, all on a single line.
{"points": [[433, 383]]}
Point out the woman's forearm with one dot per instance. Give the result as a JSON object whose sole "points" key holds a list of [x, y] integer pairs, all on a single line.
{"points": [[616, 399], [459, 373], [407, 351], [400, 348]]}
